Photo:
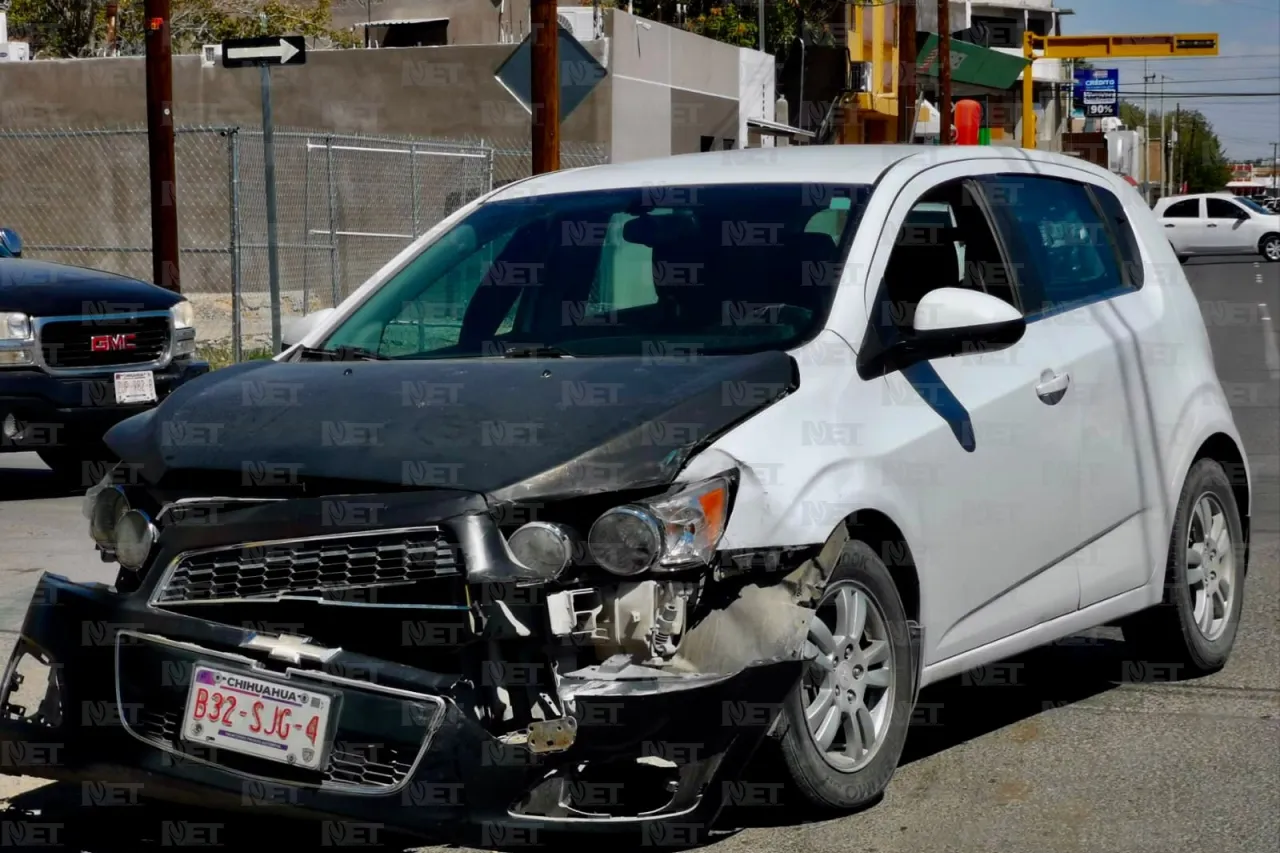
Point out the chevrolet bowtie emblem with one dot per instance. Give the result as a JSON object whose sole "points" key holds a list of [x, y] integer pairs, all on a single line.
{"points": [[290, 648]]}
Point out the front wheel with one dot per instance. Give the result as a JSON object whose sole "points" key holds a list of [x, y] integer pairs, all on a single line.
{"points": [[1269, 247], [1195, 624], [847, 719]]}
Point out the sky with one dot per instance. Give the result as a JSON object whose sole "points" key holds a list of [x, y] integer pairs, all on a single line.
{"points": [[1248, 61]]}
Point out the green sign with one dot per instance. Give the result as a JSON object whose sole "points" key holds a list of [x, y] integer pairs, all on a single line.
{"points": [[972, 64]]}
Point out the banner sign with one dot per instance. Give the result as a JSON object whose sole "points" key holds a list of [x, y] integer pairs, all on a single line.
{"points": [[1097, 92]]}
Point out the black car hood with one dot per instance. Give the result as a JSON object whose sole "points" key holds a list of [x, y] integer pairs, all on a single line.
{"points": [[507, 428], [44, 289]]}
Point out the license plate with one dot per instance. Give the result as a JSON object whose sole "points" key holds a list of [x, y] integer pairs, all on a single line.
{"points": [[138, 387], [254, 716]]}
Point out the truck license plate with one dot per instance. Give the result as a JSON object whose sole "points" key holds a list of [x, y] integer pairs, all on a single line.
{"points": [[249, 715], [136, 387]]}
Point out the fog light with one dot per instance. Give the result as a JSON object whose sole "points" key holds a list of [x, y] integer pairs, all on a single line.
{"points": [[12, 429], [543, 547], [135, 534], [626, 540]]}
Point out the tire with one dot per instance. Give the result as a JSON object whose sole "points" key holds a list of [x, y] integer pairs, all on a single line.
{"points": [[76, 465], [1169, 633], [858, 572], [1269, 247]]}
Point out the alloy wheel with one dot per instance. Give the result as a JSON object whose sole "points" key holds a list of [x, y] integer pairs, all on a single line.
{"points": [[1211, 566], [1271, 249], [848, 690]]}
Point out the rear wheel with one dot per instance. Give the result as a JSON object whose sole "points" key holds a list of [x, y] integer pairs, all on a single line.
{"points": [[847, 719], [1269, 246], [1195, 624], [78, 466]]}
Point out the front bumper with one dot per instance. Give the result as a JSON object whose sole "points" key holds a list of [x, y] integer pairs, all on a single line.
{"points": [[59, 411], [405, 755]]}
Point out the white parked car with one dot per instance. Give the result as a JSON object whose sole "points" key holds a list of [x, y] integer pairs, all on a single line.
{"points": [[621, 471], [1219, 224]]}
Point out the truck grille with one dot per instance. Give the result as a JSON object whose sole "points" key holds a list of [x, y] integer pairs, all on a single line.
{"points": [[103, 341], [316, 565]]}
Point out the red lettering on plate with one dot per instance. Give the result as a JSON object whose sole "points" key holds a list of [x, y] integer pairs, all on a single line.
{"points": [[282, 729], [217, 706], [275, 720], [312, 728], [231, 706], [257, 717], [202, 703]]}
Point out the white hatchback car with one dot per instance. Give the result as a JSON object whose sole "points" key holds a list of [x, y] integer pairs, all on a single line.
{"points": [[1219, 224], [622, 470]]}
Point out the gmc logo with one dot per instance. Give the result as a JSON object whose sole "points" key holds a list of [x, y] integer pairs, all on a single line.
{"points": [[112, 343]]}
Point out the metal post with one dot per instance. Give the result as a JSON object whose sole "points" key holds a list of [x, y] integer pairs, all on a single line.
{"points": [[804, 119], [1028, 93], [333, 220], [906, 70], [306, 227], [1164, 146], [413, 187], [545, 85], [163, 171], [236, 351], [269, 173], [760, 33], [944, 72]]}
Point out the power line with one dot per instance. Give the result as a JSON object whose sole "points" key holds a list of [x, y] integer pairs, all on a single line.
{"points": [[1135, 92]]}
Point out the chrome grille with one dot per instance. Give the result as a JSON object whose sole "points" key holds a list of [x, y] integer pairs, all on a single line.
{"points": [[106, 341], [269, 570]]}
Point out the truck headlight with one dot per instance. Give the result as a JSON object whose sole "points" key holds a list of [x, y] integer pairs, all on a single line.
{"points": [[15, 335], [667, 533], [184, 328]]}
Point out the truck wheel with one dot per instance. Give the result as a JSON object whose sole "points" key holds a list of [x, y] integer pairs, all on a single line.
{"points": [[1194, 626], [847, 720], [78, 466], [1269, 246]]}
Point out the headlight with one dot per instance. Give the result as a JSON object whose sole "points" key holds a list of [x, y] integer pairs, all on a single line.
{"points": [[184, 316], [107, 508], [671, 532], [15, 328], [544, 547], [135, 534]]}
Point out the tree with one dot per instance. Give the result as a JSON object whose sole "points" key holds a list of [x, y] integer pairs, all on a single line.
{"points": [[1198, 156], [75, 28]]}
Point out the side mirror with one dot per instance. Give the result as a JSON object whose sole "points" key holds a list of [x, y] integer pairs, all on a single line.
{"points": [[294, 329], [10, 243], [956, 321]]}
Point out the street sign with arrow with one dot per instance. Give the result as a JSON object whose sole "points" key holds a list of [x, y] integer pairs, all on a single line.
{"points": [[264, 50]]}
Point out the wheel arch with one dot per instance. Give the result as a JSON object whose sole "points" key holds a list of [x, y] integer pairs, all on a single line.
{"points": [[885, 537]]}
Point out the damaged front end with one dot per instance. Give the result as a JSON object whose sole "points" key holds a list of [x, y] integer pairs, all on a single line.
{"points": [[584, 662]]}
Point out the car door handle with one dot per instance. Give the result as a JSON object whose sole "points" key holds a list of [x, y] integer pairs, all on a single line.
{"points": [[1052, 387], [1213, 225], [1168, 225]]}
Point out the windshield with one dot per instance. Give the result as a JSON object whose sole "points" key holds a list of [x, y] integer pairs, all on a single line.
{"points": [[723, 268], [1253, 205]]}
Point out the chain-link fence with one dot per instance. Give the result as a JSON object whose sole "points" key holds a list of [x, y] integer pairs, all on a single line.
{"points": [[345, 206]]}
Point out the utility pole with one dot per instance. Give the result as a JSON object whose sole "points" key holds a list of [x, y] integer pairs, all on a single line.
{"points": [[1275, 166], [164, 210], [906, 70], [1164, 145], [1173, 146], [944, 72], [545, 83], [1146, 132]]}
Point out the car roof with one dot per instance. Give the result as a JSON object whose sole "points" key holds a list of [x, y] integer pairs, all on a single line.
{"points": [[845, 164]]}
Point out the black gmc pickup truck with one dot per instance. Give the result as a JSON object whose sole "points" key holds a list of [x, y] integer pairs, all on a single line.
{"points": [[81, 350]]}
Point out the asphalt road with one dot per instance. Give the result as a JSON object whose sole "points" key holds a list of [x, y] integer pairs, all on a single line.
{"points": [[1057, 752]]}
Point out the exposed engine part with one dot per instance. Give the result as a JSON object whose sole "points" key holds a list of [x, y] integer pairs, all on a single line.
{"points": [[574, 613], [552, 735], [668, 623]]}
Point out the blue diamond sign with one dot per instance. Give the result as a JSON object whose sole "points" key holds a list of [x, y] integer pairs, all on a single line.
{"points": [[580, 72]]}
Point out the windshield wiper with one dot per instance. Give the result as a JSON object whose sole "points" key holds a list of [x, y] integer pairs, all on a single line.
{"points": [[534, 351], [342, 353]]}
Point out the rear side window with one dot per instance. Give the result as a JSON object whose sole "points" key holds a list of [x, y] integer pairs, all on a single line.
{"points": [[1220, 208], [1122, 231], [1185, 209], [1062, 247]]}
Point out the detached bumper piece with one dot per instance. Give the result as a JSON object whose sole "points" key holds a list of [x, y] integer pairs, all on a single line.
{"points": [[98, 685]]}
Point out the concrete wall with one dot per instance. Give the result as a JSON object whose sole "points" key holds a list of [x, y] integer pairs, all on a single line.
{"points": [[428, 91]]}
